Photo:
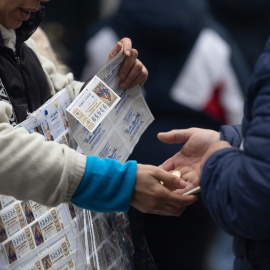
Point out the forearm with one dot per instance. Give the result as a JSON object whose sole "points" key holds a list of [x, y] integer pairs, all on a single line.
{"points": [[234, 193], [31, 168], [107, 185]]}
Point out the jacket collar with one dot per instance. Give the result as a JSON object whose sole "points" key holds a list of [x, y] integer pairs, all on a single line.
{"points": [[29, 27], [8, 37]]}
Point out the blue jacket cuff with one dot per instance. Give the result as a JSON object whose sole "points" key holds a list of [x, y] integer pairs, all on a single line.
{"points": [[107, 185]]}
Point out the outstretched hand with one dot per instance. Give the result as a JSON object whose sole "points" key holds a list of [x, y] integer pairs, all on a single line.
{"points": [[132, 70], [150, 196], [199, 144]]}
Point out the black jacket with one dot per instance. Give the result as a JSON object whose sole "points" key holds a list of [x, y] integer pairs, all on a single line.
{"points": [[21, 73]]}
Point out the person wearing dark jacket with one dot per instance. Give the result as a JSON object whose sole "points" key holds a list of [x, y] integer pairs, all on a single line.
{"points": [[233, 170]]}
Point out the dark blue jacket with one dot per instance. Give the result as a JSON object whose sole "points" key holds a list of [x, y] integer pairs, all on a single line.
{"points": [[236, 183]]}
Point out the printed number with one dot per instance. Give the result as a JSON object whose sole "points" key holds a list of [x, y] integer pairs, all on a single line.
{"points": [[56, 254], [20, 239], [8, 215]]}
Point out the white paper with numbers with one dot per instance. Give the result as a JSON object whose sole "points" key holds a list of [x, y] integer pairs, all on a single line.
{"points": [[127, 117], [93, 104]]}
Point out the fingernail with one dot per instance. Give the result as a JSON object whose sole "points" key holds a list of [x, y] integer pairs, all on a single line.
{"points": [[128, 53]]}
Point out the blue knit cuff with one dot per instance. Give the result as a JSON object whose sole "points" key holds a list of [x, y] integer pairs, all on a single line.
{"points": [[107, 185]]}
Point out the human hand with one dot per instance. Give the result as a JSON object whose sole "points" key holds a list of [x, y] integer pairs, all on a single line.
{"points": [[132, 70], [150, 196], [194, 153]]}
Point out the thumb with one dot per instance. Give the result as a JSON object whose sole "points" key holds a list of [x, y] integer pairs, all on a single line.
{"points": [[115, 51], [174, 136]]}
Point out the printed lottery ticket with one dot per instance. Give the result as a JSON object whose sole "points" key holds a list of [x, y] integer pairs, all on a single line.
{"points": [[46, 227], [11, 220], [19, 245], [38, 209], [93, 104], [6, 201], [57, 255]]}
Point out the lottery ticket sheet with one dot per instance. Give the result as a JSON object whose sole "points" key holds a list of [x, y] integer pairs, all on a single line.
{"points": [[127, 115], [109, 124]]}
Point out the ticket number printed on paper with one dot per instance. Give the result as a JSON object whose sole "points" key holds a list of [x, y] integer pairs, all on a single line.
{"points": [[93, 104]]}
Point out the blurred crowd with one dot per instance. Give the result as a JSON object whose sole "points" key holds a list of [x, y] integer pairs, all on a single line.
{"points": [[199, 55]]}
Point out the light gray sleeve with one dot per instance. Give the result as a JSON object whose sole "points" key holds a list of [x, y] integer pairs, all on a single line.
{"points": [[34, 169]]}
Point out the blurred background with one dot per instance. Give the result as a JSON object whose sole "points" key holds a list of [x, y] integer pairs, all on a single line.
{"points": [[199, 54], [67, 20], [247, 21]]}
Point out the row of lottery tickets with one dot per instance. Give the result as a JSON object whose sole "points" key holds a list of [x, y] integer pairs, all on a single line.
{"points": [[35, 237]]}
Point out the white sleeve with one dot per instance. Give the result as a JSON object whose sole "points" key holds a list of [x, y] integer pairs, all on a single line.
{"points": [[33, 169], [55, 80]]}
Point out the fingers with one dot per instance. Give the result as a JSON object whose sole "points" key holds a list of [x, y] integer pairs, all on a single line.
{"points": [[175, 200], [168, 165], [173, 136], [126, 42], [192, 176], [167, 203], [137, 75], [115, 51], [132, 71], [188, 187], [150, 196], [164, 210], [127, 49], [177, 135], [127, 65], [170, 180]]}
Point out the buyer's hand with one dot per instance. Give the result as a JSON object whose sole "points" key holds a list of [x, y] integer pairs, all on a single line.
{"points": [[150, 196], [199, 144], [132, 70]]}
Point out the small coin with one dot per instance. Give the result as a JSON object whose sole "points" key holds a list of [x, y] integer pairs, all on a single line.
{"points": [[177, 173]]}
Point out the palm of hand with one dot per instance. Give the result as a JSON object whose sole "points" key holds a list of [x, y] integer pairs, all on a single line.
{"points": [[190, 159]]}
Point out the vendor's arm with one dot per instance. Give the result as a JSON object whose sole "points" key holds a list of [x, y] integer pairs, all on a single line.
{"points": [[51, 173], [31, 168]]}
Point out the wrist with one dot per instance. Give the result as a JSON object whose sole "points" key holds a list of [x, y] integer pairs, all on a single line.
{"points": [[107, 185]]}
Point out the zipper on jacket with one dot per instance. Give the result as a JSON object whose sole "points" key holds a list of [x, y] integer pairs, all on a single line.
{"points": [[18, 60]]}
